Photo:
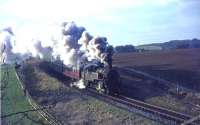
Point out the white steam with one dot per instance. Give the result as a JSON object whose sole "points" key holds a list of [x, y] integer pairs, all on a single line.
{"points": [[80, 84], [67, 42], [6, 44]]}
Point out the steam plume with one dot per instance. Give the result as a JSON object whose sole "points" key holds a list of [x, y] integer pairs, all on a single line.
{"points": [[71, 44]]}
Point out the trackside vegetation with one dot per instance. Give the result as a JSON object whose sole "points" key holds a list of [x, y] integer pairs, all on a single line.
{"points": [[15, 108]]}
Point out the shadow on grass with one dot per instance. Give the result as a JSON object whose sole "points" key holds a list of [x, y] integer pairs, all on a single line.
{"points": [[47, 96], [147, 87], [142, 90], [44, 66], [186, 78], [29, 79]]}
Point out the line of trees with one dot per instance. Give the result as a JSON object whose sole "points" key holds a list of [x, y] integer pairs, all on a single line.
{"points": [[125, 48]]}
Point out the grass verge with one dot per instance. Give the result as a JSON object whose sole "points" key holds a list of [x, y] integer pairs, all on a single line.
{"points": [[13, 101]]}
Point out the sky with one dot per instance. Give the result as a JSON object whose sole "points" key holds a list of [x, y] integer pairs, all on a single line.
{"points": [[121, 21]]}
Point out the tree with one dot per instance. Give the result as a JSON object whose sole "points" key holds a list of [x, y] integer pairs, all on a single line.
{"points": [[125, 49], [182, 46]]}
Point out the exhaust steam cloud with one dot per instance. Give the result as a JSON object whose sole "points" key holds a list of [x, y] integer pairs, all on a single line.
{"points": [[69, 43]]}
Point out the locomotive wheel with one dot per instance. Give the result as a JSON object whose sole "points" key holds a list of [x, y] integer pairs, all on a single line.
{"points": [[100, 87], [106, 88], [113, 83]]}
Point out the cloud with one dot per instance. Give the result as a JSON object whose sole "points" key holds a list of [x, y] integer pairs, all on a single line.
{"points": [[53, 9]]}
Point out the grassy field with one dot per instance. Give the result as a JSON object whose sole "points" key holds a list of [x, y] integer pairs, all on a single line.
{"points": [[13, 101]]}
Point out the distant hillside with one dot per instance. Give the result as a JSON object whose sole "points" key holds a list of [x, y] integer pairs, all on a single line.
{"points": [[173, 44]]}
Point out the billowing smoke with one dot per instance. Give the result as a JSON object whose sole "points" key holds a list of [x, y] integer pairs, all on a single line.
{"points": [[41, 52], [10, 53], [6, 44], [66, 48], [71, 44], [76, 45]]}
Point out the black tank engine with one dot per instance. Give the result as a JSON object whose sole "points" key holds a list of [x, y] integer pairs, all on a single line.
{"points": [[93, 74]]}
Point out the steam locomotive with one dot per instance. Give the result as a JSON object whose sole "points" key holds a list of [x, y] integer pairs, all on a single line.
{"points": [[95, 75]]}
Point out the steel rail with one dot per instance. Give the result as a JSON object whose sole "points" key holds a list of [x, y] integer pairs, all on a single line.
{"points": [[146, 107]]}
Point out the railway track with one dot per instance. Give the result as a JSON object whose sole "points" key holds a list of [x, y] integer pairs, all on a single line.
{"points": [[164, 114]]}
